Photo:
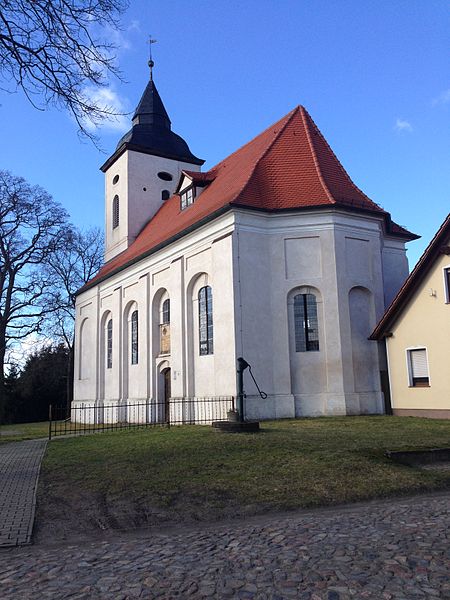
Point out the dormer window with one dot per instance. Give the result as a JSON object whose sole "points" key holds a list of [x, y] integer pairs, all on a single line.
{"points": [[187, 197]]}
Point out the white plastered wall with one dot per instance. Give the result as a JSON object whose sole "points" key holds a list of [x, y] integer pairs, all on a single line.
{"points": [[170, 271], [139, 189], [332, 253], [253, 262]]}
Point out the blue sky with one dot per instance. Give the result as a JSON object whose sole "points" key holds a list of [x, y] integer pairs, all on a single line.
{"points": [[373, 75]]}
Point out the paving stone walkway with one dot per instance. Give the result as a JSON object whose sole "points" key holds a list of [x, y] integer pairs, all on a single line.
{"points": [[391, 550], [19, 470]]}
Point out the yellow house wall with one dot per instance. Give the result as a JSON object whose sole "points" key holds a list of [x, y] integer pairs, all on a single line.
{"points": [[424, 323]]}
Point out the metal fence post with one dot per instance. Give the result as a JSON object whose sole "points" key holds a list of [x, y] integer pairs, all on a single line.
{"points": [[49, 421]]}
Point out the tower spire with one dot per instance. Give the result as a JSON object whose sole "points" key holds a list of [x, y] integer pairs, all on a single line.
{"points": [[151, 62]]}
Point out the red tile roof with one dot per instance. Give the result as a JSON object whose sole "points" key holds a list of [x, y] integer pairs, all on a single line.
{"points": [[289, 166], [426, 261]]}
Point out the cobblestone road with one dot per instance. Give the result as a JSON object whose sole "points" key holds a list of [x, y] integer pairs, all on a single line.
{"points": [[19, 469], [397, 549]]}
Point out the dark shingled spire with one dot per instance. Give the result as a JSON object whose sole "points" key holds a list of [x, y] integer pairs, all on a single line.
{"points": [[150, 109], [151, 132]]}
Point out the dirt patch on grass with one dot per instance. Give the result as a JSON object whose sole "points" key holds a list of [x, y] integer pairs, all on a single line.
{"points": [[90, 514]]}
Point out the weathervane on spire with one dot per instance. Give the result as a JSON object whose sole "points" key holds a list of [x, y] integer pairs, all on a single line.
{"points": [[151, 63]]}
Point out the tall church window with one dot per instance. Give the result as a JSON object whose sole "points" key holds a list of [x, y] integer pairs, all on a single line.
{"points": [[165, 313], [306, 323], [205, 319], [109, 333], [134, 338], [164, 327], [115, 212]]}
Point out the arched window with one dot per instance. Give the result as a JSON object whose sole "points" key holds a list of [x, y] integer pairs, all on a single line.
{"points": [[109, 344], [134, 338], [205, 320], [165, 312], [164, 327], [115, 212], [305, 323], [165, 195]]}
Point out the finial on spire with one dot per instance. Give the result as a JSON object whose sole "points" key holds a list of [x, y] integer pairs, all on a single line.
{"points": [[151, 62]]}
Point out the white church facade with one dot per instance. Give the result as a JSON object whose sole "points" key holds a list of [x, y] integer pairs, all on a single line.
{"points": [[273, 254]]}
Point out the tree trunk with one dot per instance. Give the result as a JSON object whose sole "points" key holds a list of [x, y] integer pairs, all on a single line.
{"points": [[2, 377]]}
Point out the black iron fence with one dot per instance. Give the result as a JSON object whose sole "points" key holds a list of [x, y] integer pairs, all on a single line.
{"points": [[83, 418]]}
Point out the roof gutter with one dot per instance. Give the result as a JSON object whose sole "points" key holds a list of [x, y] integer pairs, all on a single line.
{"points": [[224, 209]]}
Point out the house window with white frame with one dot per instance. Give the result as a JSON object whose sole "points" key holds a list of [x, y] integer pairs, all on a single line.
{"points": [[447, 284], [418, 368]]}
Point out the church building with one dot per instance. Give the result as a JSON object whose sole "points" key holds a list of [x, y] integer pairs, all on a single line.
{"points": [[274, 255]]}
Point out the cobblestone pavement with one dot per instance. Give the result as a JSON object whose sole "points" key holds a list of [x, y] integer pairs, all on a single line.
{"points": [[396, 549], [19, 469]]}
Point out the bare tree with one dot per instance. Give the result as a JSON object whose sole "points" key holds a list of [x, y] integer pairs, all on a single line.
{"points": [[69, 268], [31, 229], [48, 48]]}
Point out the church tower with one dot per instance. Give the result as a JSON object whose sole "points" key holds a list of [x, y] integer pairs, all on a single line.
{"points": [[143, 171]]}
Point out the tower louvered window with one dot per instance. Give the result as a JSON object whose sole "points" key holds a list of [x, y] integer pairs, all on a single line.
{"points": [[306, 323], [115, 212]]}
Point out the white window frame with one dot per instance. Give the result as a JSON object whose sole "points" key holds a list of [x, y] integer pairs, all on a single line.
{"points": [[446, 284], [409, 366], [187, 197]]}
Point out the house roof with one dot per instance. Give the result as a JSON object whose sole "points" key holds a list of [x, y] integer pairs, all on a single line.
{"points": [[289, 166], [417, 275]]}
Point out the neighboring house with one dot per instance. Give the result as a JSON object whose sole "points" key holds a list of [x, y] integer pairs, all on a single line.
{"points": [[273, 254], [416, 329]]}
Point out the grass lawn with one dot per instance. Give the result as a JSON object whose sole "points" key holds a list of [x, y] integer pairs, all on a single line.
{"points": [[193, 473], [23, 431]]}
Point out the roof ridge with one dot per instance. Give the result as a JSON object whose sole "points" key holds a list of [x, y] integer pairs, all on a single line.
{"points": [[288, 118], [346, 175], [314, 155]]}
